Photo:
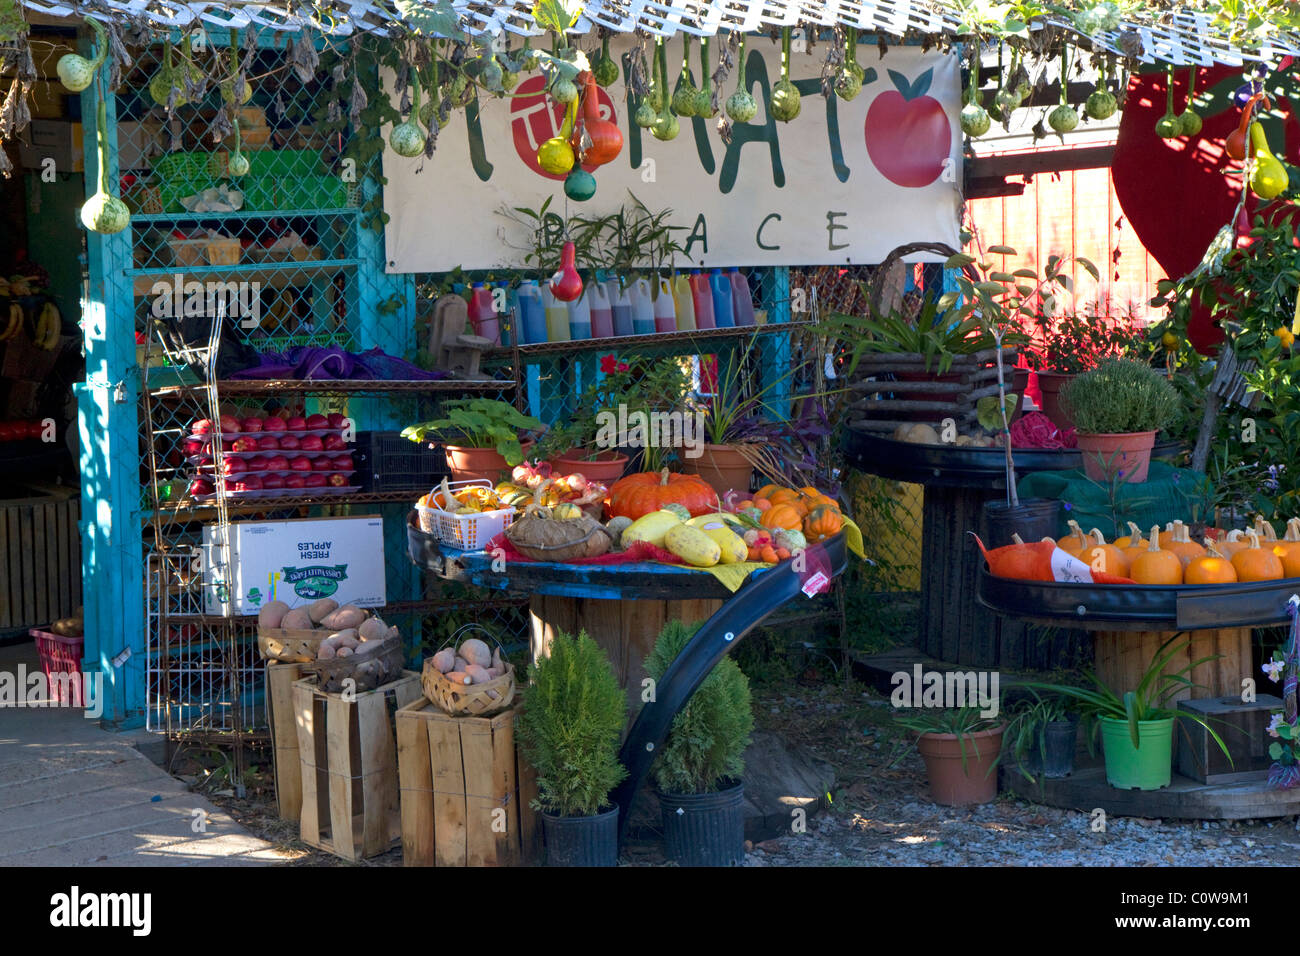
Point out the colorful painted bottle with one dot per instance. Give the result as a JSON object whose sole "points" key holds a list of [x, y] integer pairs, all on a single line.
{"points": [[557, 316], [580, 317], [724, 314], [702, 297], [531, 316], [482, 314], [684, 303], [741, 298], [643, 307], [665, 309], [621, 305], [602, 313]]}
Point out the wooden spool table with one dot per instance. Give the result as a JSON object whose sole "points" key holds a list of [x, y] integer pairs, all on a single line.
{"points": [[624, 606], [959, 480], [1127, 625]]}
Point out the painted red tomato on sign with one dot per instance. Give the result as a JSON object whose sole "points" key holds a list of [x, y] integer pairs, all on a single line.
{"points": [[908, 135], [535, 118]]}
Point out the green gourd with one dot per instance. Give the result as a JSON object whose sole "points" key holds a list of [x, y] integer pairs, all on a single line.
{"points": [[785, 98], [103, 212], [407, 139], [740, 106], [704, 107], [1101, 104], [665, 126], [564, 91], [1190, 121], [644, 115], [848, 78], [1168, 126], [76, 73], [974, 117], [1064, 118], [238, 164], [684, 91], [605, 70], [579, 185]]}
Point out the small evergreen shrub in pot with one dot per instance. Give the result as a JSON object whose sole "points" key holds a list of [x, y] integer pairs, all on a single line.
{"points": [[1117, 409], [699, 767], [569, 730]]}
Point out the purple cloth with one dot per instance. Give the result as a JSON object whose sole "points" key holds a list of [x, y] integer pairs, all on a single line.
{"points": [[311, 363]]}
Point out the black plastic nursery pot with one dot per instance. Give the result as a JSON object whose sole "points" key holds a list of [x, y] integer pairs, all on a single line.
{"points": [[582, 841], [1033, 519], [1056, 758], [705, 829]]}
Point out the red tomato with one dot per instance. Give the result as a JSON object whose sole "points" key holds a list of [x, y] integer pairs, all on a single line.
{"points": [[908, 134]]}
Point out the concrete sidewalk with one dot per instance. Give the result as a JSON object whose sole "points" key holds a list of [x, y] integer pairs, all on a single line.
{"points": [[74, 795]]}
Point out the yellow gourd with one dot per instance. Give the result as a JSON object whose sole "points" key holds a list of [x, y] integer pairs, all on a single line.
{"points": [[1156, 566], [651, 528], [1255, 563], [1211, 568], [1101, 556], [734, 550], [692, 545]]}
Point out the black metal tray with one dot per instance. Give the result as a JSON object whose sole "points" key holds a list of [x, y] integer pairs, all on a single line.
{"points": [[1133, 607], [959, 465]]}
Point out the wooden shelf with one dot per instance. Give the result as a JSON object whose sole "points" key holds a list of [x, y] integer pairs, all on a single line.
{"points": [[245, 214], [651, 340], [393, 608], [257, 387], [207, 511], [276, 275]]}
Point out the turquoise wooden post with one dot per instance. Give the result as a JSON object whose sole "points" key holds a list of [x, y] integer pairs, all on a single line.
{"points": [[112, 543], [775, 349]]}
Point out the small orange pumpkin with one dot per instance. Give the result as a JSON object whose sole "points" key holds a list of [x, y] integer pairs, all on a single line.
{"points": [[1131, 539], [767, 491], [1288, 549], [1155, 565], [1232, 542], [782, 516], [1075, 541], [1255, 563], [1101, 556], [1211, 568], [823, 523], [1182, 545], [1264, 529]]}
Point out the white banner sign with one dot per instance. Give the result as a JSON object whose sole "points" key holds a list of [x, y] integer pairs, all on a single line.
{"points": [[844, 182]]}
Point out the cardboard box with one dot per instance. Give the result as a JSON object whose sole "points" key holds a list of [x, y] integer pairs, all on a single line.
{"points": [[134, 141], [297, 561], [48, 100], [54, 139]]}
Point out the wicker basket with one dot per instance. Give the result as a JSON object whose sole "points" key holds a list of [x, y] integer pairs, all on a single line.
{"points": [[293, 646], [333, 674], [469, 700], [222, 252], [570, 550]]}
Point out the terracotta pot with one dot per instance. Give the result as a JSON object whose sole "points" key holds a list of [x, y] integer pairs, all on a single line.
{"points": [[607, 467], [467, 463], [1129, 452], [722, 466], [1050, 385], [951, 784]]}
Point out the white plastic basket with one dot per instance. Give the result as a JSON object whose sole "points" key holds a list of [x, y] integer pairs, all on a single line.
{"points": [[467, 532]]}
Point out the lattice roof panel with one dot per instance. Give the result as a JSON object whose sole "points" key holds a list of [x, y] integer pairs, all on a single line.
{"points": [[1185, 38]]}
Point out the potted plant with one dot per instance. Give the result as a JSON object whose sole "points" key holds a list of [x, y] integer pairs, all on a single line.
{"points": [[1117, 408], [569, 730], [698, 770], [961, 751], [1041, 735], [1137, 726], [1075, 342], [480, 436]]}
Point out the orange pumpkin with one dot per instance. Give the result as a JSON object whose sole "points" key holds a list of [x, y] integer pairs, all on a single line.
{"points": [[767, 491], [1131, 539], [1232, 542], [1181, 544], [1155, 565], [1264, 529], [1075, 541], [1288, 549], [636, 495], [784, 516], [1255, 563], [1212, 568], [1101, 556], [823, 523]]}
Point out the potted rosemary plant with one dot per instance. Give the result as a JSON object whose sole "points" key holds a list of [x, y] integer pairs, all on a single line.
{"points": [[961, 751], [698, 770], [1075, 342], [569, 730], [1117, 409]]}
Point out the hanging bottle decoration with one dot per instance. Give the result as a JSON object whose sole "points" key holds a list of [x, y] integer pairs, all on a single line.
{"points": [[1064, 118], [566, 284], [975, 119], [606, 139], [1168, 127], [1190, 121]]}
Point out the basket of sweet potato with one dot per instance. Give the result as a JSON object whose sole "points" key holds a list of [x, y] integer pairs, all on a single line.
{"points": [[294, 635], [469, 678]]}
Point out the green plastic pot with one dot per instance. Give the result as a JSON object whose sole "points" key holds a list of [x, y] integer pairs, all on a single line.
{"points": [[1145, 767]]}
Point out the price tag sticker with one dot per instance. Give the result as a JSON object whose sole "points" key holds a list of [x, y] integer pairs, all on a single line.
{"points": [[816, 584]]}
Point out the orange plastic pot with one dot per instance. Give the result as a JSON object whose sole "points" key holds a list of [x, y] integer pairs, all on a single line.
{"points": [[951, 783], [722, 466], [1107, 454], [467, 463]]}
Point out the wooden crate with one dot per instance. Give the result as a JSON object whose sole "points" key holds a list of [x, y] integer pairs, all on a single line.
{"points": [[348, 762], [1241, 726], [465, 792], [40, 545], [280, 717]]}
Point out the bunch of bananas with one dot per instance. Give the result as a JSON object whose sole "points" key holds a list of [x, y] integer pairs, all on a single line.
{"points": [[48, 326], [12, 321]]}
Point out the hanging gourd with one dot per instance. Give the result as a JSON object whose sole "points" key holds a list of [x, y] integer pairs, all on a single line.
{"points": [[684, 92], [605, 70], [975, 119], [1013, 93], [579, 185], [566, 284], [785, 98], [1269, 178], [665, 126], [848, 78], [237, 164], [1256, 563], [237, 80], [1156, 566], [1288, 549], [1101, 103], [1101, 556], [606, 138], [1064, 118], [1190, 121], [704, 107], [1210, 568], [1168, 126], [1181, 544], [647, 111], [1075, 541], [103, 212], [76, 73], [407, 139], [160, 87], [741, 107], [564, 91], [555, 156], [1235, 145]]}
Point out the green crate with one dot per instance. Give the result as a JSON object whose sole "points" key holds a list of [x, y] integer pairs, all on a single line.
{"points": [[182, 174], [268, 163], [270, 193]]}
